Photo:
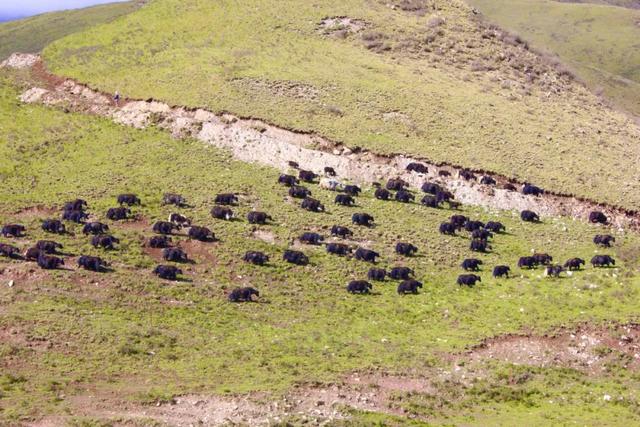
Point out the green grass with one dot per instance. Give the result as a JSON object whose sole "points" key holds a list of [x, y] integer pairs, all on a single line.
{"points": [[462, 98], [598, 41], [30, 35], [141, 338]]}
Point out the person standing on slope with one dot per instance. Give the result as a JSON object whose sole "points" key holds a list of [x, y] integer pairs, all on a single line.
{"points": [[116, 98]]}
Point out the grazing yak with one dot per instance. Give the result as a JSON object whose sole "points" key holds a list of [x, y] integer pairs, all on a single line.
{"points": [[338, 249], [175, 255], [118, 214], [226, 199], [9, 251], [495, 227], [542, 259], [377, 274], [256, 217], [431, 188], [479, 245], [529, 216], [202, 234], [444, 173], [472, 226], [468, 279], [13, 230], [180, 220], [430, 202], [164, 227], [527, 262], [256, 258], [367, 255], [602, 261], [458, 220], [160, 242], [75, 216], [295, 257], [447, 228], [444, 196], [409, 287], [128, 199], [406, 249], [597, 217], [404, 196], [173, 199], [92, 263], [359, 287], [311, 238], [396, 184], [487, 180], [531, 190], [501, 271], [466, 174], [75, 205], [352, 190], [471, 264], [288, 180], [95, 228], [48, 246], [401, 273], [104, 241], [330, 184], [363, 219], [574, 264], [417, 167], [222, 212], [509, 187], [306, 176], [312, 205], [329, 171], [604, 240], [553, 270], [340, 231], [167, 272], [382, 194], [243, 294], [48, 262], [299, 192], [344, 200], [32, 254], [53, 226], [481, 234]]}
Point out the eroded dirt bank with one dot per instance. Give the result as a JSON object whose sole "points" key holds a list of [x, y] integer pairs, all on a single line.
{"points": [[255, 141]]}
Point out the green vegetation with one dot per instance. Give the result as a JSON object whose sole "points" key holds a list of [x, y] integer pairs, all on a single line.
{"points": [[598, 41], [31, 34], [424, 78], [138, 337]]}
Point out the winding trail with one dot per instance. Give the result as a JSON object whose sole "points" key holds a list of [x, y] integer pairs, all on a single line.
{"points": [[256, 141]]}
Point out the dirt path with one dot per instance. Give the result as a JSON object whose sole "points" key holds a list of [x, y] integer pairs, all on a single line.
{"points": [[255, 141]]}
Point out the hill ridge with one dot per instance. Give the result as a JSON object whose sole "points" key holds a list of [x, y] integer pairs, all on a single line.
{"points": [[256, 141]]}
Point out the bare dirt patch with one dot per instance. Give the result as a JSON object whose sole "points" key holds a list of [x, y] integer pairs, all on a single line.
{"points": [[585, 349], [341, 26], [264, 235]]}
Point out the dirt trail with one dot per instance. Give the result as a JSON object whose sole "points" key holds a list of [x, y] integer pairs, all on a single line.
{"points": [[255, 141]]}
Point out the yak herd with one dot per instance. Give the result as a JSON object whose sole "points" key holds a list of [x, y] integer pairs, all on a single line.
{"points": [[47, 253]]}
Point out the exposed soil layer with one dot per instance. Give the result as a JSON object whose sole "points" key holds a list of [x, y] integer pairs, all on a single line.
{"points": [[255, 141]]}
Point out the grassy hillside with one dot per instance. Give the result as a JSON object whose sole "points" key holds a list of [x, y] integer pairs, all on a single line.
{"points": [[598, 41], [422, 78], [30, 35], [70, 334]]}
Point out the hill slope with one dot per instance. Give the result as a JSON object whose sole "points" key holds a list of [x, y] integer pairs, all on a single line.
{"points": [[421, 78], [102, 346], [30, 35], [598, 41]]}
